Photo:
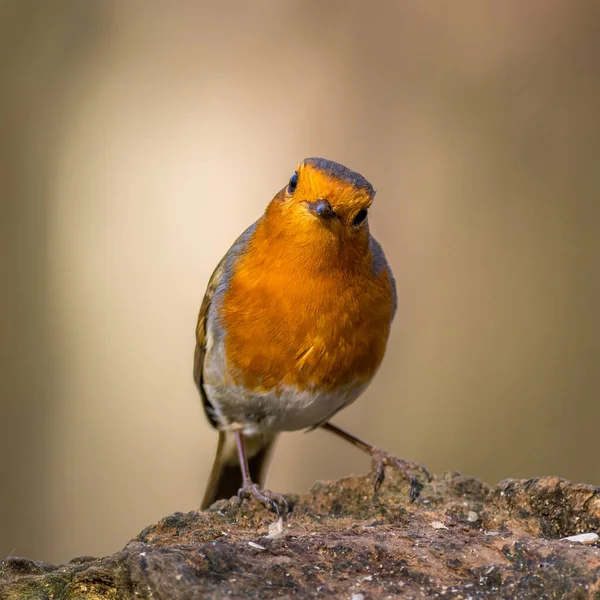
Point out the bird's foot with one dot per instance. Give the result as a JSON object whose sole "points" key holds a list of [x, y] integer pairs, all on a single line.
{"points": [[275, 502], [381, 460]]}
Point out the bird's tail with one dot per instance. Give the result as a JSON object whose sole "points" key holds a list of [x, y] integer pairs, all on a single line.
{"points": [[226, 477]]}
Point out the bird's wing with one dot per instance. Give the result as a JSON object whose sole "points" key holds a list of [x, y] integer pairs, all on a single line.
{"points": [[380, 262], [201, 337], [223, 269]]}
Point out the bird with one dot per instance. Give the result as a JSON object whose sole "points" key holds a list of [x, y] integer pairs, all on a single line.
{"points": [[293, 326]]}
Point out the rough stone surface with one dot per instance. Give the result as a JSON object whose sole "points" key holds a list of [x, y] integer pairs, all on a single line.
{"points": [[460, 539]]}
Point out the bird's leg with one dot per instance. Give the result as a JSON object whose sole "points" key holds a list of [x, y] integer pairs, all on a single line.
{"points": [[250, 489], [381, 459]]}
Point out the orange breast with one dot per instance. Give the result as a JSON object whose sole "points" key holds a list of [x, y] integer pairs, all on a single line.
{"points": [[288, 322]]}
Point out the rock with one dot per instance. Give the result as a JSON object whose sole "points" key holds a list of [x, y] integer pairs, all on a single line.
{"points": [[343, 541]]}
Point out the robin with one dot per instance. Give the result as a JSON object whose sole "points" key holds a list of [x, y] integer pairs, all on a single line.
{"points": [[293, 327]]}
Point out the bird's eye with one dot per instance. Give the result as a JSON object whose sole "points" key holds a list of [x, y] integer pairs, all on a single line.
{"points": [[361, 215], [293, 183]]}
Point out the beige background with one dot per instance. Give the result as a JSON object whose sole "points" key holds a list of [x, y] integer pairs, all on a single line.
{"points": [[137, 139]]}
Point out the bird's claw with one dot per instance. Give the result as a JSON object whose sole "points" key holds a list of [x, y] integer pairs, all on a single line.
{"points": [[275, 502], [382, 459]]}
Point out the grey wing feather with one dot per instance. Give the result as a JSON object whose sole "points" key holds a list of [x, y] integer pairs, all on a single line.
{"points": [[201, 338], [217, 284], [380, 263]]}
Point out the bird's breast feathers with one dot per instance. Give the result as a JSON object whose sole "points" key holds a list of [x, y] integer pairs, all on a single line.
{"points": [[279, 329]]}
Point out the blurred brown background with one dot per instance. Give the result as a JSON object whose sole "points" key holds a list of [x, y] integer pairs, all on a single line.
{"points": [[137, 139]]}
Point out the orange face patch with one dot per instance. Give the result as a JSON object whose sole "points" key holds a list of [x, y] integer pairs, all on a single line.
{"points": [[345, 198]]}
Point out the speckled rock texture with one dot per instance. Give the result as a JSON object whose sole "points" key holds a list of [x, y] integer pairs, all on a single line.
{"points": [[460, 539]]}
